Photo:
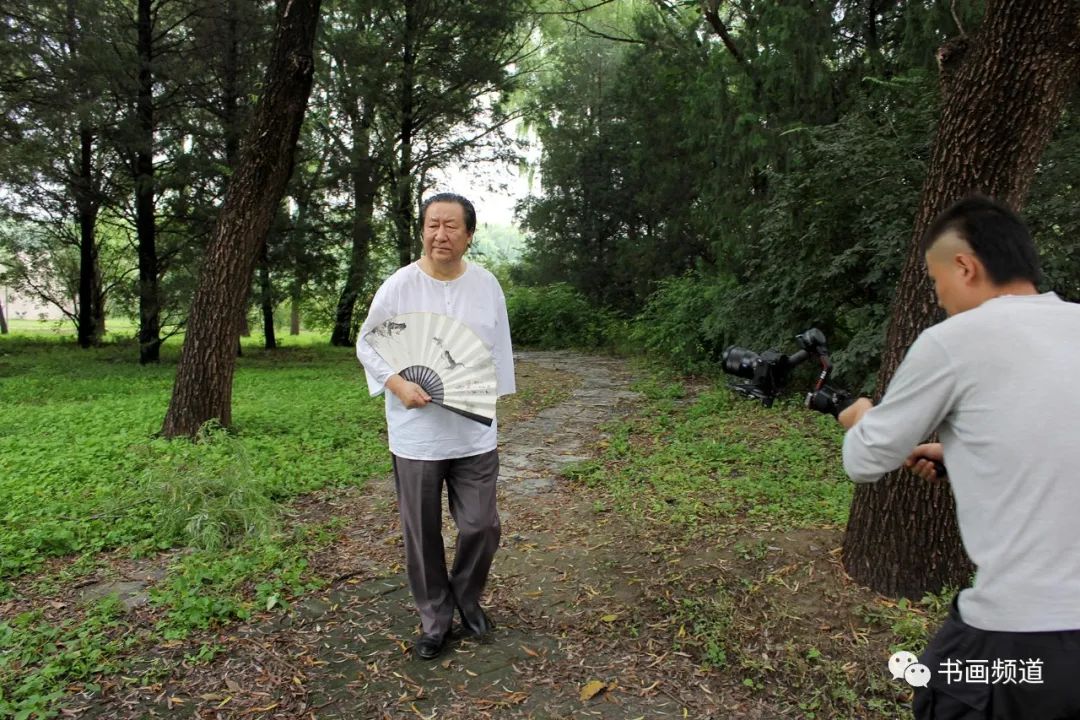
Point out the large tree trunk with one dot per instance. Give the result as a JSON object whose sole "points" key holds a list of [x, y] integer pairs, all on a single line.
{"points": [[1004, 90], [403, 221], [3, 321], [149, 301], [203, 388], [364, 187]]}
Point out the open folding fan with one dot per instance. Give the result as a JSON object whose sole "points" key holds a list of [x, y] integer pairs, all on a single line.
{"points": [[443, 356]]}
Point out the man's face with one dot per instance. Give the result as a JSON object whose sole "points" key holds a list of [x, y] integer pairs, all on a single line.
{"points": [[951, 264], [445, 236]]}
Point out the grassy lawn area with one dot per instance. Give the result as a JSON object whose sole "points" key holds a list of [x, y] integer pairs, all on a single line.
{"points": [[751, 502], [81, 470], [82, 473]]}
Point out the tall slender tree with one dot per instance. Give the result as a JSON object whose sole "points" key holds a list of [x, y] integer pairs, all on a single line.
{"points": [[203, 387], [447, 64], [352, 78], [1004, 88], [54, 164]]}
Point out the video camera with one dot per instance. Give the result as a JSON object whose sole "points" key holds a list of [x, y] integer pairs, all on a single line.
{"points": [[770, 371]]}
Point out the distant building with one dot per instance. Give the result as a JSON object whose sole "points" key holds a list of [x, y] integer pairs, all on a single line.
{"points": [[20, 307]]}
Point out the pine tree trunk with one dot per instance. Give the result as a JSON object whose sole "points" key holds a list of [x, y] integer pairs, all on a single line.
{"points": [[403, 221], [1004, 91], [203, 388], [89, 325], [364, 188], [149, 301], [90, 320]]}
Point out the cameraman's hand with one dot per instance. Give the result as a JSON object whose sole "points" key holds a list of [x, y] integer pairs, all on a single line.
{"points": [[922, 458], [410, 394], [853, 413]]}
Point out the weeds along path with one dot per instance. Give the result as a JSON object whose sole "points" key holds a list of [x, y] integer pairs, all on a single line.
{"points": [[584, 621]]}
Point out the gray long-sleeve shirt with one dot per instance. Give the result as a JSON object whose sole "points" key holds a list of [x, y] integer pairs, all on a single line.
{"points": [[1001, 385]]}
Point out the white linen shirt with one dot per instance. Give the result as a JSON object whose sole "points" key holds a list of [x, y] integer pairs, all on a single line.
{"points": [[475, 299]]}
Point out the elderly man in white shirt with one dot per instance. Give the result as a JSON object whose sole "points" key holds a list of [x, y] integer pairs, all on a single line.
{"points": [[430, 445]]}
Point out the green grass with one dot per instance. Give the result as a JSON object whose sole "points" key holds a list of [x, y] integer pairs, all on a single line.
{"points": [[698, 464], [77, 440], [82, 471]]}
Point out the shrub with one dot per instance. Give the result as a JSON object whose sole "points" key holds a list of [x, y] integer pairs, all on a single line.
{"points": [[557, 316], [678, 322]]}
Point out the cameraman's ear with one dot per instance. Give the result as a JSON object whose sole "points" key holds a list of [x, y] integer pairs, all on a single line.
{"points": [[968, 266]]}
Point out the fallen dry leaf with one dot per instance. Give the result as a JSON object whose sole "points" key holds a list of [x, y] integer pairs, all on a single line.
{"points": [[591, 689]]}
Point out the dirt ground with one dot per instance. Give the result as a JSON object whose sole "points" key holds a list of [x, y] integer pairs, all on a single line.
{"points": [[597, 616]]}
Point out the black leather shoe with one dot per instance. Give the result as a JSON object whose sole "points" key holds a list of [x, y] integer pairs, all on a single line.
{"points": [[428, 647], [475, 623]]}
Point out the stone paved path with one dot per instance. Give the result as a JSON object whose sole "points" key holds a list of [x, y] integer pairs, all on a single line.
{"points": [[542, 583]]}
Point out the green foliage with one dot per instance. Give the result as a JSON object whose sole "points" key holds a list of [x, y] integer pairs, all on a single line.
{"points": [[679, 323], [830, 242], [557, 316], [722, 202], [207, 497], [1052, 209], [210, 587], [615, 217], [81, 470], [694, 466], [704, 626], [39, 658]]}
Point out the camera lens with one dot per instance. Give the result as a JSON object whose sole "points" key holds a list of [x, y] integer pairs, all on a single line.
{"points": [[740, 362]]}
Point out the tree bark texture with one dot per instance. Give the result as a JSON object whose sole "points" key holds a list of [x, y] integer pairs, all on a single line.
{"points": [[3, 320], [145, 226], [203, 388], [1002, 100]]}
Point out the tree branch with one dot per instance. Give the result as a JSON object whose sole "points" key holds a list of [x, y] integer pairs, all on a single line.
{"points": [[597, 33]]}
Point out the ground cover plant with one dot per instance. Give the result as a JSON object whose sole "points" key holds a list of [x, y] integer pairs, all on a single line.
{"points": [[82, 473], [702, 471], [248, 525], [81, 469]]}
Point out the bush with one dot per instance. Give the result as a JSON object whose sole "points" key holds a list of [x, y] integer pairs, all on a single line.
{"points": [[678, 322], [557, 316]]}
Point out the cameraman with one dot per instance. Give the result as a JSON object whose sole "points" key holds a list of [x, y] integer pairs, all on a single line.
{"points": [[999, 380]]}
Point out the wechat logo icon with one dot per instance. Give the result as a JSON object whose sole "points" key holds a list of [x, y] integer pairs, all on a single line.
{"points": [[905, 666]]}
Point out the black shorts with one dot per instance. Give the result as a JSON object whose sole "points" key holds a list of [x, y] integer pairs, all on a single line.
{"points": [[983, 674]]}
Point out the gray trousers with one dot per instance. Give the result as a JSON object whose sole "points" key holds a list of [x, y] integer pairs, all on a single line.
{"points": [[470, 486]]}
